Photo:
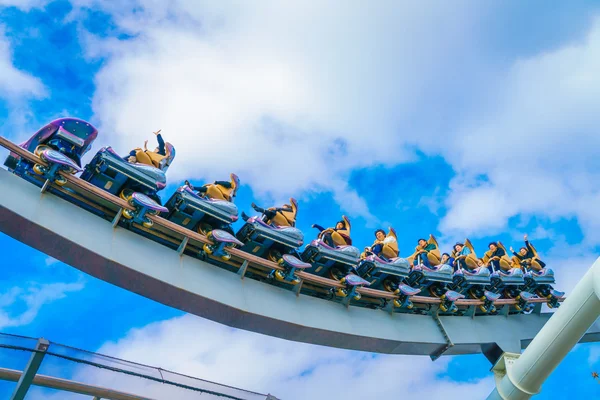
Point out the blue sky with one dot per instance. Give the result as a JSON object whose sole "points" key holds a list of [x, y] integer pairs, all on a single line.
{"points": [[467, 119]]}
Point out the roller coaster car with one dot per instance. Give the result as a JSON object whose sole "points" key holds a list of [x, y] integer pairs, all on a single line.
{"points": [[388, 275], [109, 171], [510, 281], [437, 280], [276, 243], [61, 144], [434, 257], [474, 284], [198, 213], [473, 281], [221, 241], [332, 262], [511, 285], [540, 283]]}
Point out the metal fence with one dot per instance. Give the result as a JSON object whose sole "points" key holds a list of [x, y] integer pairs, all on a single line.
{"points": [[48, 370]]}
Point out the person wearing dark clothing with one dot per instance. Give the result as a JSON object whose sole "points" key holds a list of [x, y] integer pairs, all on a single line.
{"points": [[338, 236], [527, 258], [219, 190], [446, 259], [280, 216], [422, 252], [384, 246], [496, 258], [464, 258]]}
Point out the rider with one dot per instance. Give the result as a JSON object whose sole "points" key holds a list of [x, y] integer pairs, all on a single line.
{"points": [[495, 258], [527, 257], [422, 251], [280, 216], [385, 247], [145, 156], [446, 259], [338, 236], [219, 190], [461, 254]]}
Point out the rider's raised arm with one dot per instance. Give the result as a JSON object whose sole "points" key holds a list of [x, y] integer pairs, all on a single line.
{"points": [[319, 227], [530, 248], [161, 145]]}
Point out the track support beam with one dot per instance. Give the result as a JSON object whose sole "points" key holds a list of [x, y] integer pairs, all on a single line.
{"points": [[439, 352]]}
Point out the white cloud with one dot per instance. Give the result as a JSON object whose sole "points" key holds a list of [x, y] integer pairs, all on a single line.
{"points": [[594, 354], [50, 261], [29, 300], [536, 143], [24, 5], [15, 83], [292, 97], [289, 370]]}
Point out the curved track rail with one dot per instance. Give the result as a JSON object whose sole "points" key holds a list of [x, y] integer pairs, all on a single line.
{"points": [[176, 278]]}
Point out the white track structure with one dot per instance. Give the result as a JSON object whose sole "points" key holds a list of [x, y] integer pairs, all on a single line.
{"points": [[519, 377]]}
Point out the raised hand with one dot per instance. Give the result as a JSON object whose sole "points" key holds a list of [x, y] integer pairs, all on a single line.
{"points": [[157, 132], [511, 249], [525, 237]]}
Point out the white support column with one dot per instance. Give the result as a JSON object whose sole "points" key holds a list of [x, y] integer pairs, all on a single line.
{"points": [[520, 377]]}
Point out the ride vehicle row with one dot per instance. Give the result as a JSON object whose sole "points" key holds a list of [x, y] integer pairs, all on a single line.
{"points": [[272, 235]]}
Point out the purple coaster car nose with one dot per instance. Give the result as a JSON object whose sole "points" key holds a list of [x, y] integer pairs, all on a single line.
{"points": [[222, 236], [294, 262], [57, 157], [355, 280], [146, 201]]}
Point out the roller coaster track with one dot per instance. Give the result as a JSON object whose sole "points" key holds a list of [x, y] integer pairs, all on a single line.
{"points": [[174, 275]]}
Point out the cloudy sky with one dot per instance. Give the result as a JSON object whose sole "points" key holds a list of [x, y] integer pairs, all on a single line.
{"points": [[461, 119]]}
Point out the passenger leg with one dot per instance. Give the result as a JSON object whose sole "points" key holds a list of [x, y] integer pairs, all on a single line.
{"points": [[328, 239], [377, 249], [131, 154], [422, 259], [458, 264]]}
